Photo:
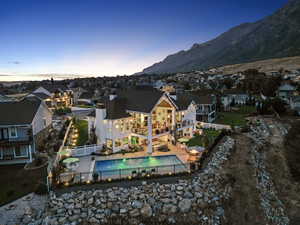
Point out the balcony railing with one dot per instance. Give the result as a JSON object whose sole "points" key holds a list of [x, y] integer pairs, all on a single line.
{"points": [[13, 140], [184, 123], [158, 131]]}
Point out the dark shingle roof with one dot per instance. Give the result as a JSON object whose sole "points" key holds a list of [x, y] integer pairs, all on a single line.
{"points": [[141, 100], [52, 88], [86, 95], [41, 95], [18, 112], [116, 109], [234, 92]]}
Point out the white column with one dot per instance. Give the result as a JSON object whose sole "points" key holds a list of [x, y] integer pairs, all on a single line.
{"points": [[149, 138], [30, 153]]}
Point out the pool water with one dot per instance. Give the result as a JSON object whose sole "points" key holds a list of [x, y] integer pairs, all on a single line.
{"points": [[126, 166]]}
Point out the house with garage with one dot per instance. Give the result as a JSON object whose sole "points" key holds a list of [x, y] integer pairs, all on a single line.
{"points": [[147, 118], [23, 125], [206, 107], [54, 96]]}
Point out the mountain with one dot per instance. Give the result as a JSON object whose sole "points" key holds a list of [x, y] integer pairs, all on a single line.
{"points": [[275, 36]]}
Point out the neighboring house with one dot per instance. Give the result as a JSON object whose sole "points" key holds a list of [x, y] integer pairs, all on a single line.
{"points": [[23, 125], [147, 118], [295, 104], [286, 92], [4, 98], [55, 96], [206, 108], [233, 96]]}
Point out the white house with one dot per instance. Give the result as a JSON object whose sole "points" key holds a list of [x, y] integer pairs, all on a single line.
{"points": [[286, 91], [234, 96], [147, 118]]}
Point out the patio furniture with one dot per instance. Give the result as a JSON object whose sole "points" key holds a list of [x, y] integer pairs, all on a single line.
{"points": [[153, 170], [143, 173], [133, 173]]}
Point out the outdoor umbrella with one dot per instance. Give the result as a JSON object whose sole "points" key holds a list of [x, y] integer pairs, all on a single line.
{"points": [[71, 160], [183, 140], [64, 152]]}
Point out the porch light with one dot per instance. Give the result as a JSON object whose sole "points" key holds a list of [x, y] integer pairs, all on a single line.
{"points": [[88, 181], [109, 179], [129, 177], [66, 184], [182, 113], [117, 126], [170, 173], [50, 174]]}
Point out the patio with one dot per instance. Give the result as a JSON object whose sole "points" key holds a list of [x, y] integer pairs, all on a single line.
{"points": [[85, 169]]}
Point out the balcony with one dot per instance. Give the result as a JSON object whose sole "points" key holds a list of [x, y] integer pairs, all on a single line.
{"points": [[204, 112], [141, 131], [184, 123], [9, 141], [158, 131]]}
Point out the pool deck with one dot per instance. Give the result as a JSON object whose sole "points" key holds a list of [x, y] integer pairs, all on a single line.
{"points": [[86, 164]]}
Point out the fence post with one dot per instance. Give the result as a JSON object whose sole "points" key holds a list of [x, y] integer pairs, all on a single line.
{"points": [[100, 175]]}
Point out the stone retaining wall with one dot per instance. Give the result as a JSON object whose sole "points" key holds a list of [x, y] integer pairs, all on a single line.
{"points": [[199, 199]]}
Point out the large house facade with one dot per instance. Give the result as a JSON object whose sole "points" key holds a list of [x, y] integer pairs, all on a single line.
{"points": [[22, 125], [147, 118]]}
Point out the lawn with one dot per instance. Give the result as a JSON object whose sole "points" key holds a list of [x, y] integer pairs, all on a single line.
{"points": [[82, 126], [209, 135], [235, 118], [17, 182]]}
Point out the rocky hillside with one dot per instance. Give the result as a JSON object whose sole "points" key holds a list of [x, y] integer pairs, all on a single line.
{"points": [[275, 36]]}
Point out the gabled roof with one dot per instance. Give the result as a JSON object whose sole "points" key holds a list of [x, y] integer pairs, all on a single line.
{"points": [[116, 109], [41, 95], [18, 112], [141, 100]]}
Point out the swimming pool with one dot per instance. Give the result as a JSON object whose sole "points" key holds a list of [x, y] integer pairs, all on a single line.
{"points": [[119, 168]]}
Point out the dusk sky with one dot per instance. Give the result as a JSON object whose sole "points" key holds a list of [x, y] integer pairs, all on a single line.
{"points": [[111, 37]]}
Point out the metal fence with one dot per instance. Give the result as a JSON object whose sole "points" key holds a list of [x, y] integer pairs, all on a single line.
{"points": [[70, 178]]}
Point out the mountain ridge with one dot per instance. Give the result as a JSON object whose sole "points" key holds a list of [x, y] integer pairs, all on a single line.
{"points": [[274, 36]]}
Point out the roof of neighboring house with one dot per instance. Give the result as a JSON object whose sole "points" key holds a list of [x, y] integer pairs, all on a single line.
{"points": [[4, 98], [287, 87], [52, 88], [86, 95], [141, 100], [183, 101], [41, 95], [204, 99], [234, 92], [18, 112]]}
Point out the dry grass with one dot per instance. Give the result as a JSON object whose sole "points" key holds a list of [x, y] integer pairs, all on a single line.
{"points": [[288, 63]]}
